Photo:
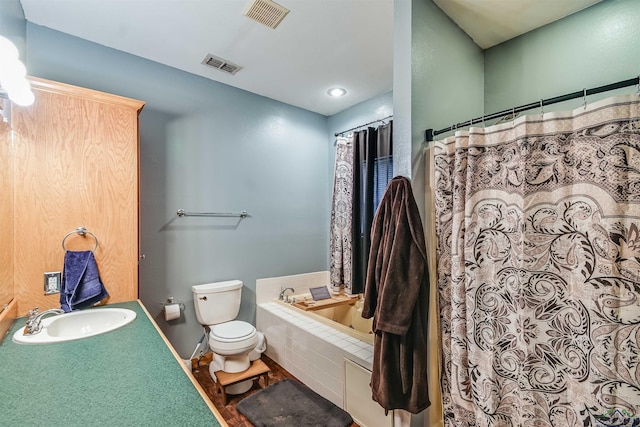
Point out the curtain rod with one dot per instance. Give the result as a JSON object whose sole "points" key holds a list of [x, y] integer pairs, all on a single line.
{"points": [[361, 126], [430, 133]]}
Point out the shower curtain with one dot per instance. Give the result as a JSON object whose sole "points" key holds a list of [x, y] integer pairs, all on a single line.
{"points": [[364, 167], [341, 213], [538, 264], [372, 171]]}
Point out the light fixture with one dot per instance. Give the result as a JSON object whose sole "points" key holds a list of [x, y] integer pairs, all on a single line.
{"points": [[336, 92], [13, 81]]}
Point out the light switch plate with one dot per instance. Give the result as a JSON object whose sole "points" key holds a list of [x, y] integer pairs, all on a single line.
{"points": [[52, 281]]}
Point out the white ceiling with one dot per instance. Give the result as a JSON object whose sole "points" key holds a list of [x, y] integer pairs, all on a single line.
{"points": [[490, 22], [319, 44]]}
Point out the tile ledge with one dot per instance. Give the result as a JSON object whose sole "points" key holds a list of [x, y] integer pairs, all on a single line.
{"points": [[276, 310]]}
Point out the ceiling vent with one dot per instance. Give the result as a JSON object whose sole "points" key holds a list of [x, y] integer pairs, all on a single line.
{"points": [[266, 12], [221, 64]]}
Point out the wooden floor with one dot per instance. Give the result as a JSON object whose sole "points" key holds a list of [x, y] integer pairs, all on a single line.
{"points": [[228, 411]]}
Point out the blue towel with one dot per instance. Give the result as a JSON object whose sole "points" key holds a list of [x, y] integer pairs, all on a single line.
{"points": [[81, 284]]}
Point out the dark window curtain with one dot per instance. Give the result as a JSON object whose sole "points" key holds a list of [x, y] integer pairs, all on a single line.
{"points": [[372, 171]]}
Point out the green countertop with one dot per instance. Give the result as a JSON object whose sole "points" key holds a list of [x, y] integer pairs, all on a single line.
{"points": [[127, 377]]}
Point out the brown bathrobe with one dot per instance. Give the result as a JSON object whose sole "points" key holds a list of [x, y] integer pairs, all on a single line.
{"points": [[397, 296]]}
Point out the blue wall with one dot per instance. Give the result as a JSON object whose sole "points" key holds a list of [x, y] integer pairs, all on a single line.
{"points": [[375, 108], [593, 47], [206, 146], [13, 25], [445, 83]]}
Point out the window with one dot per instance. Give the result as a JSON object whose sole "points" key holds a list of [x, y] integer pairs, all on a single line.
{"points": [[373, 169]]}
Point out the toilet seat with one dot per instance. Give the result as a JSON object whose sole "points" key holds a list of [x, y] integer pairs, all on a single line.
{"points": [[235, 338], [233, 331]]}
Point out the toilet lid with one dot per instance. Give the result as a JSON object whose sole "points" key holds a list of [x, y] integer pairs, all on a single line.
{"points": [[233, 330]]}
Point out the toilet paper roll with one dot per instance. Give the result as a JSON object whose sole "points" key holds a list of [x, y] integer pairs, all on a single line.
{"points": [[171, 312]]}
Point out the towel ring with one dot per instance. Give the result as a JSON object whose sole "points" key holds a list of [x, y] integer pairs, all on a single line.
{"points": [[80, 231]]}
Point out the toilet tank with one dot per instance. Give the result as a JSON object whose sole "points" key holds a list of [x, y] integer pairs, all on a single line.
{"points": [[217, 302]]}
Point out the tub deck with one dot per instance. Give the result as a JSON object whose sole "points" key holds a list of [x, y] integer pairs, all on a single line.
{"points": [[334, 301]]}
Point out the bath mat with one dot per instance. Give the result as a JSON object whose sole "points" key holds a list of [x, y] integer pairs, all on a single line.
{"points": [[290, 403]]}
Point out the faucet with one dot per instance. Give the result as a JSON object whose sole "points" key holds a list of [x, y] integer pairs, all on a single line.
{"points": [[284, 297], [34, 322]]}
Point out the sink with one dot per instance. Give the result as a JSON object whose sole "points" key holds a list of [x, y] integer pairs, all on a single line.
{"points": [[77, 325]]}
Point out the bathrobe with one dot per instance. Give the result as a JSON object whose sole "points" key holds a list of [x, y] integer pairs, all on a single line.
{"points": [[397, 297]]}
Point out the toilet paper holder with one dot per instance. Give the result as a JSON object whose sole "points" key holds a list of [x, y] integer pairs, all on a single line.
{"points": [[172, 309], [171, 301]]}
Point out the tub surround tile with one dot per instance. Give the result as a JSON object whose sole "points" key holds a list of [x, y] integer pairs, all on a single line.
{"points": [[332, 383], [364, 354], [308, 348], [269, 289], [325, 335], [311, 351], [314, 329], [328, 366], [340, 342], [352, 348], [335, 339], [363, 344]]}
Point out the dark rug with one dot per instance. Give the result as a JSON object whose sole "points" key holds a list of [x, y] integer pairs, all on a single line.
{"points": [[290, 403]]}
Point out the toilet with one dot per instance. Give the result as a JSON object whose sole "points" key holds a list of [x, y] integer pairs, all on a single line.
{"points": [[231, 341]]}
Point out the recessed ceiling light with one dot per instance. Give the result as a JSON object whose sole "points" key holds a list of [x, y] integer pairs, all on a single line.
{"points": [[336, 92]]}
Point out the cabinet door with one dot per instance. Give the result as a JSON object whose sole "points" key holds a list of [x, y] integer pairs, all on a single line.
{"points": [[6, 213], [7, 307], [76, 165], [357, 398]]}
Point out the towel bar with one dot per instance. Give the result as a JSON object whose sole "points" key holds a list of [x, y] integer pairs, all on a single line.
{"points": [[182, 212], [80, 231]]}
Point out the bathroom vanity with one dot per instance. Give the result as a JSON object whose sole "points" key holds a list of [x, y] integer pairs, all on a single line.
{"points": [[129, 376]]}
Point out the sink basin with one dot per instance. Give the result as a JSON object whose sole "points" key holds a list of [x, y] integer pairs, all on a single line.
{"points": [[77, 325]]}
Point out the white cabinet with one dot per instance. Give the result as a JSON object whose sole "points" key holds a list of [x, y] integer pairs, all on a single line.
{"points": [[357, 398]]}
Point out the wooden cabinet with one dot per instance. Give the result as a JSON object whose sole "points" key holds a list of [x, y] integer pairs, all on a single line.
{"points": [[7, 305], [76, 164]]}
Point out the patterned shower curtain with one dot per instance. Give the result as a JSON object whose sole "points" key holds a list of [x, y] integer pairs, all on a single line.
{"points": [[538, 264], [341, 216]]}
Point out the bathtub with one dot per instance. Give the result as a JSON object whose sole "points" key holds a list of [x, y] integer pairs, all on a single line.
{"points": [[321, 347], [345, 318]]}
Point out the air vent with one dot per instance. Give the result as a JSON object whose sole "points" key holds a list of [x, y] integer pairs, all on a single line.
{"points": [[266, 12], [221, 64]]}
